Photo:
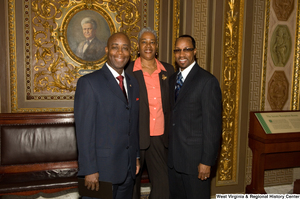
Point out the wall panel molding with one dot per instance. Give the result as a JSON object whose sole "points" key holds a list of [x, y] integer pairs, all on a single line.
{"points": [[200, 31]]}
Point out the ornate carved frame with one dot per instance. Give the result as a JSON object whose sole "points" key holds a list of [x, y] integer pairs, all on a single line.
{"points": [[50, 74]]}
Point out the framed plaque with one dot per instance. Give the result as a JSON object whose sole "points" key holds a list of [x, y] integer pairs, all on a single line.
{"points": [[279, 122]]}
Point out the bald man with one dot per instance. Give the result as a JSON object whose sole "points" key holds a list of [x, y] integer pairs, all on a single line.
{"points": [[106, 110]]}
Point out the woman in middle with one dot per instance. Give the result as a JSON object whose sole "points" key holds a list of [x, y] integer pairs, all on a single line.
{"points": [[153, 77]]}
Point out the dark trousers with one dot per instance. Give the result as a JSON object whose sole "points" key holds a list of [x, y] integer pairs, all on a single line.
{"points": [[184, 186], [124, 190], [155, 158]]}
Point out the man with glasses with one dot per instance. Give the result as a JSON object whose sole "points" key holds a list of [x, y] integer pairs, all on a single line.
{"points": [[196, 124]]}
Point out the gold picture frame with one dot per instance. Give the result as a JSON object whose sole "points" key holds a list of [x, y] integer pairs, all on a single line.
{"points": [[43, 76]]}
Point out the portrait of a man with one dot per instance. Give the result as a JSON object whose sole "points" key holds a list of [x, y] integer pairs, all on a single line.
{"points": [[90, 49]]}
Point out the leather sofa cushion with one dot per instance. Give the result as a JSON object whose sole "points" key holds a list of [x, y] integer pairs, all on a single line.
{"points": [[26, 144]]}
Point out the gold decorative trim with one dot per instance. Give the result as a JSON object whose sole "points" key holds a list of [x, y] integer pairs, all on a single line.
{"points": [[156, 18], [233, 40], [176, 23], [12, 54], [295, 96], [145, 11], [265, 57], [36, 110]]}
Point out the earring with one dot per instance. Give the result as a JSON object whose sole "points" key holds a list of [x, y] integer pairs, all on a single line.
{"points": [[156, 54]]}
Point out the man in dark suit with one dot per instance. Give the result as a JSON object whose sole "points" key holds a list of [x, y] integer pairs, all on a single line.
{"points": [[91, 49], [196, 124], [106, 112]]}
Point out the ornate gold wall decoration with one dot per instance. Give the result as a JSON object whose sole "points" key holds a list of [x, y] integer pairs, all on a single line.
{"points": [[145, 11], [278, 90], [51, 65], [156, 18], [51, 72], [295, 85], [12, 53], [233, 35], [176, 23], [283, 9], [281, 45]]}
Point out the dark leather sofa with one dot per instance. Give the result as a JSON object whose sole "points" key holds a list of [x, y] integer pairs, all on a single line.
{"points": [[38, 153]]}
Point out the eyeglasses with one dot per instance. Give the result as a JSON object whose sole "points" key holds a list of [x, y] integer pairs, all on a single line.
{"points": [[185, 50]]}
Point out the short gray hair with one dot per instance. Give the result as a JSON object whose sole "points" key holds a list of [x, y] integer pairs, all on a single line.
{"points": [[148, 29], [89, 20]]}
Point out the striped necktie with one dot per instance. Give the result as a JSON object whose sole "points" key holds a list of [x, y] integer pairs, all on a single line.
{"points": [[178, 85]]}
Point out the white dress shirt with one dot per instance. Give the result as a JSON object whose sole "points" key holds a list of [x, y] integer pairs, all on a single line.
{"points": [[186, 71], [116, 74]]}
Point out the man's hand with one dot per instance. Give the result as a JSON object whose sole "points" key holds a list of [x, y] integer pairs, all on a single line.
{"points": [[203, 171], [138, 166], [92, 181]]}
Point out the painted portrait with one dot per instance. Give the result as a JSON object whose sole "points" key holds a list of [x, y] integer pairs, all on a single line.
{"points": [[87, 35]]}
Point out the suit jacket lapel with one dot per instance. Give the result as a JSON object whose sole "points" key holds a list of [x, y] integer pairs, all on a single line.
{"points": [[163, 86], [143, 90], [187, 84], [129, 89], [172, 88], [113, 84]]}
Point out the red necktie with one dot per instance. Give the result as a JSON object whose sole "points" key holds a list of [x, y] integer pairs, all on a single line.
{"points": [[120, 78]]}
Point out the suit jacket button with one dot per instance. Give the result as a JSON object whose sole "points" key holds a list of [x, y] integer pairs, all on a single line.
{"points": [[127, 147], [127, 107], [173, 124]]}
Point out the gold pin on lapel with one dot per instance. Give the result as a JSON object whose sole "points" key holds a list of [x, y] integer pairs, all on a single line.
{"points": [[130, 85], [164, 77]]}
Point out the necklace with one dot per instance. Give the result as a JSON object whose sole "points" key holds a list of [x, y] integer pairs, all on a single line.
{"points": [[155, 66]]}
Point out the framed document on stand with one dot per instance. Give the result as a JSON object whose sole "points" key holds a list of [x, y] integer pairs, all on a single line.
{"points": [[274, 138]]}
